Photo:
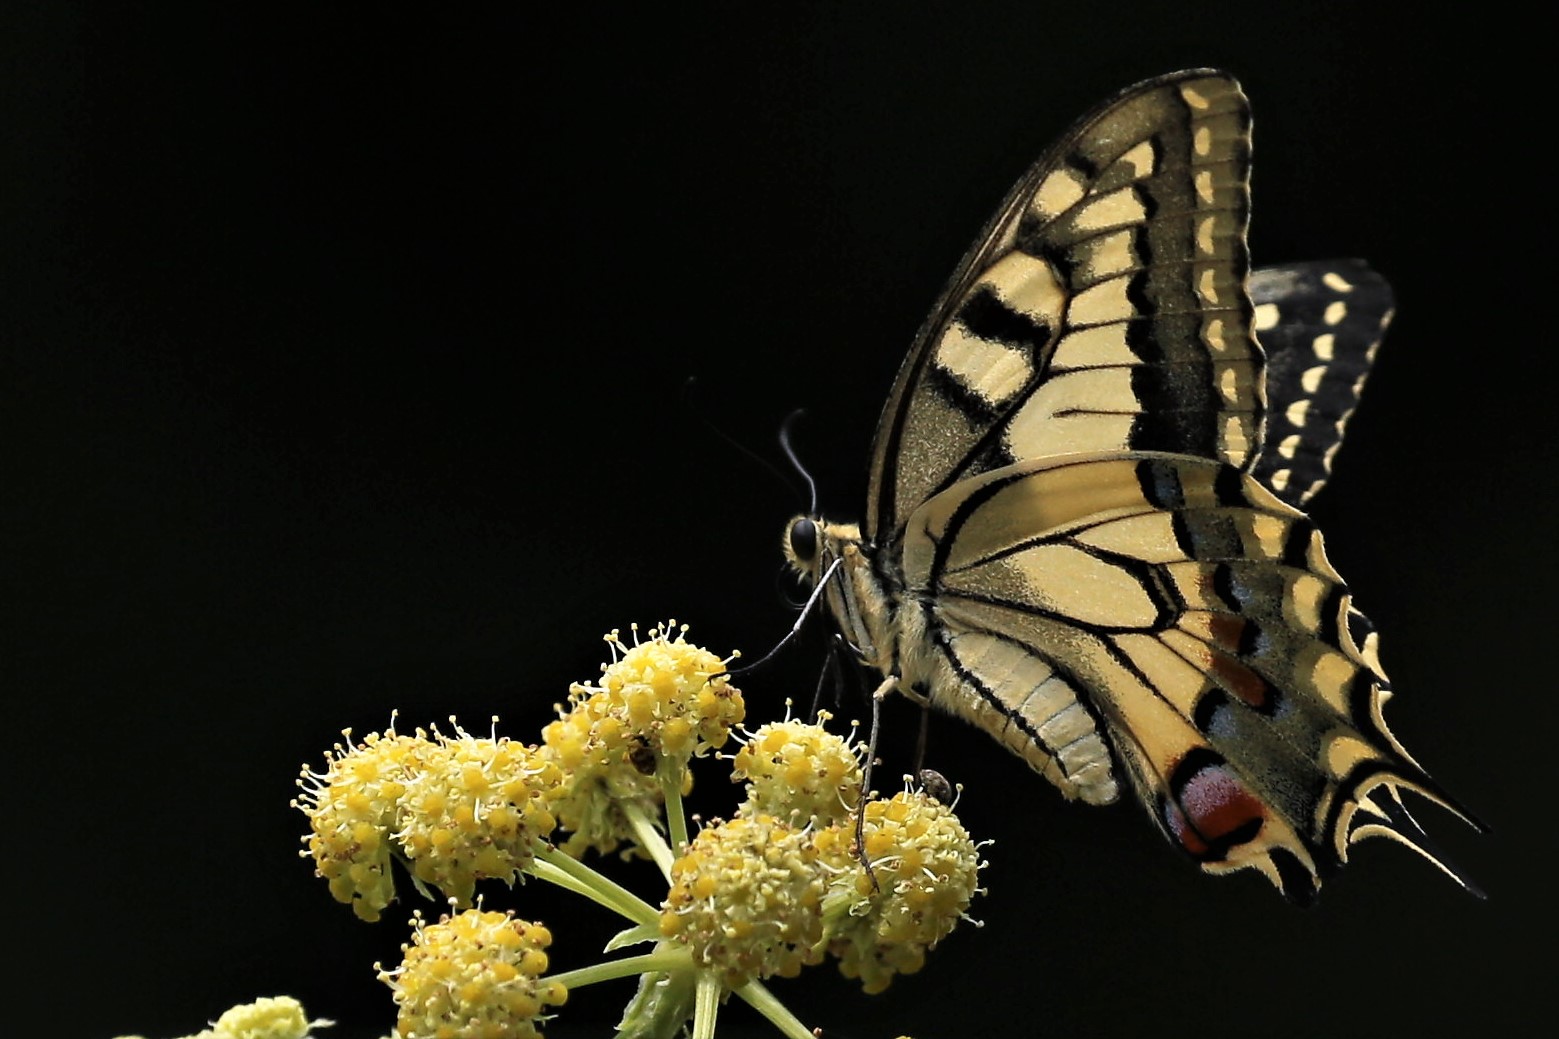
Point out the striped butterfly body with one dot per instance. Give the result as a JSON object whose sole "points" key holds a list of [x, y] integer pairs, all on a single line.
{"points": [[1083, 531]]}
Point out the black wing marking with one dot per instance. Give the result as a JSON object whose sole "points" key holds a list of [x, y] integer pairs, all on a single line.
{"points": [[1320, 324]]}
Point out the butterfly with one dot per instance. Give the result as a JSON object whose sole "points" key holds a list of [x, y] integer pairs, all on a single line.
{"points": [[1083, 530]]}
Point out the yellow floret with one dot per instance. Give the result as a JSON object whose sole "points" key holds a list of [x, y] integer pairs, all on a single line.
{"points": [[352, 808], [457, 809], [468, 815], [658, 703]]}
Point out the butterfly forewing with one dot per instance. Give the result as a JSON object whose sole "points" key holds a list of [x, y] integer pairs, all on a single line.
{"points": [[1103, 309]]}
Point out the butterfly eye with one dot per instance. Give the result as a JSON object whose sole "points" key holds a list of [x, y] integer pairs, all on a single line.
{"points": [[803, 539]]}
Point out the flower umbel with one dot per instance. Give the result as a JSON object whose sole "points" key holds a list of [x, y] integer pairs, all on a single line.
{"points": [[800, 772], [455, 809], [745, 899], [926, 867], [780, 885], [353, 807], [478, 808], [277, 1017], [475, 975], [271, 1017], [622, 740]]}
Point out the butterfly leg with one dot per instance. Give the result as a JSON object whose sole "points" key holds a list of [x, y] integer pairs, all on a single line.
{"points": [[882, 692], [832, 674]]}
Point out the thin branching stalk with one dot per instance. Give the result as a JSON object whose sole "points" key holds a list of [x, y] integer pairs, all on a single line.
{"points": [[650, 839], [707, 1007], [764, 1002], [568, 872], [676, 820], [663, 960]]}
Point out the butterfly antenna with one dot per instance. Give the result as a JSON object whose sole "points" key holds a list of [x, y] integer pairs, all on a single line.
{"points": [[689, 392], [795, 629], [795, 460]]}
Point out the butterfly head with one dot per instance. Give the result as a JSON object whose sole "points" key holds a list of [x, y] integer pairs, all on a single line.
{"points": [[812, 545]]}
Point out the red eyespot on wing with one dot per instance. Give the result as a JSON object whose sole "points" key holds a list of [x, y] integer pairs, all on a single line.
{"points": [[1208, 810]]}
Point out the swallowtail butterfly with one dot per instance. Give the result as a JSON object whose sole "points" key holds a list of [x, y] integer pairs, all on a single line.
{"points": [[1083, 531]]}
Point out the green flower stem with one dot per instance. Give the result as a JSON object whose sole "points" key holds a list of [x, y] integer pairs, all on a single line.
{"points": [[635, 935], [552, 875], [568, 872], [763, 1001], [660, 961], [649, 838], [707, 1006], [676, 819]]}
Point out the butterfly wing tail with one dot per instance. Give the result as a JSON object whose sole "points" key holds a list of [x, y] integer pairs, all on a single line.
{"points": [[1385, 814]]}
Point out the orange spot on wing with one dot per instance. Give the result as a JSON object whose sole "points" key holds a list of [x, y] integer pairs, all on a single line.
{"points": [[1241, 681], [1225, 631]]}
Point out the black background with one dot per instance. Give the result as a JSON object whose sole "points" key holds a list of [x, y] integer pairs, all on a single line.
{"points": [[345, 370]]}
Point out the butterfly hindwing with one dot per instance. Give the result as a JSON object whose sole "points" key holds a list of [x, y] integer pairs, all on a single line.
{"points": [[1174, 610], [1102, 310], [1320, 324]]}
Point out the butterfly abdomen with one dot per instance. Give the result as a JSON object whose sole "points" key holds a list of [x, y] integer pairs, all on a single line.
{"points": [[1017, 696]]}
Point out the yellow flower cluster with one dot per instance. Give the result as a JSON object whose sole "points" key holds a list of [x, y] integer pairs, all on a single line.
{"points": [[779, 886], [279, 1017], [478, 809], [764, 894], [745, 898], [272, 1017], [353, 808], [455, 809], [658, 703], [926, 867], [801, 773], [476, 975]]}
